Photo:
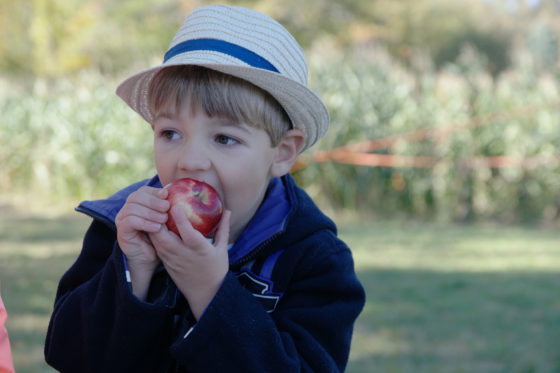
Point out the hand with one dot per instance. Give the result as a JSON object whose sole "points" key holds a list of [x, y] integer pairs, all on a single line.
{"points": [[197, 266], [145, 211]]}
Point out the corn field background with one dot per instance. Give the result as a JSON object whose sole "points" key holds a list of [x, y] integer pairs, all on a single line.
{"points": [[516, 115], [71, 139]]}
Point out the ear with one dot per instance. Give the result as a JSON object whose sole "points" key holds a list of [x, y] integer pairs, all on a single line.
{"points": [[287, 151]]}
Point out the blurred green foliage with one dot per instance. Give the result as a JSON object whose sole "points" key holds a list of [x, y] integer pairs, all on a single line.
{"points": [[53, 38], [70, 138], [380, 98], [383, 68]]}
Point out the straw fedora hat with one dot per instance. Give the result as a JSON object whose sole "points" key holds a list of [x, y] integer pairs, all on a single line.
{"points": [[246, 44]]}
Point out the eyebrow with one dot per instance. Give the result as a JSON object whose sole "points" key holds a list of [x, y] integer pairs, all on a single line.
{"points": [[218, 120], [227, 122]]}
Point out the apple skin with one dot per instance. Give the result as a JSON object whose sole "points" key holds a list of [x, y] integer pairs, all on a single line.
{"points": [[200, 202]]}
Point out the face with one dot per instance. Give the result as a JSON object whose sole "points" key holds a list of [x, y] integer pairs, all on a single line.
{"points": [[236, 159]]}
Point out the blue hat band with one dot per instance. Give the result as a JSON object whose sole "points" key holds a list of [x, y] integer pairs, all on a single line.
{"points": [[215, 45]]}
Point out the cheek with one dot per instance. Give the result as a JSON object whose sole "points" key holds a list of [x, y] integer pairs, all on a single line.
{"points": [[243, 191], [164, 166], [158, 159]]}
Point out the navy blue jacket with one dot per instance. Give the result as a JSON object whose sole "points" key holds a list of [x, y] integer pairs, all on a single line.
{"points": [[288, 303]]}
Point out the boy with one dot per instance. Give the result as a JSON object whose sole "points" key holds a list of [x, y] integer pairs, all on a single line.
{"points": [[275, 291]]}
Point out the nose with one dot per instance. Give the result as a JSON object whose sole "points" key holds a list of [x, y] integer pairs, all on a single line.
{"points": [[194, 157]]}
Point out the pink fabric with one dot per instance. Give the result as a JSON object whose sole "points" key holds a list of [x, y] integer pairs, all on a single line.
{"points": [[6, 362]]}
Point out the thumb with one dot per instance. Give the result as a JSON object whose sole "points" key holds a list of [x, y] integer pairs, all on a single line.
{"points": [[222, 235]]}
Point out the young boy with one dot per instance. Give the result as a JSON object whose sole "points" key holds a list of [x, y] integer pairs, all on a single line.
{"points": [[275, 290]]}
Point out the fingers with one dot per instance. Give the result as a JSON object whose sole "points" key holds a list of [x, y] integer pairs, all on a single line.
{"points": [[136, 223], [222, 234], [186, 230], [146, 213], [189, 236], [144, 210], [151, 198]]}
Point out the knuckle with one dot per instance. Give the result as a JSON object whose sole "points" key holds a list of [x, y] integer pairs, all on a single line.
{"points": [[159, 204], [157, 217]]}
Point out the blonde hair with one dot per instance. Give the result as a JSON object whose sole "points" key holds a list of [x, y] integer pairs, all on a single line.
{"points": [[218, 94]]}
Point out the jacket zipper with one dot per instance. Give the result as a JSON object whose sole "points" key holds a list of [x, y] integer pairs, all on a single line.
{"points": [[247, 258]]}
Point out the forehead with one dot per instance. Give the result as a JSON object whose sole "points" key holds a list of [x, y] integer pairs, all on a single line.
{"points": [[189, 108], [173, 103], [194, 99]]}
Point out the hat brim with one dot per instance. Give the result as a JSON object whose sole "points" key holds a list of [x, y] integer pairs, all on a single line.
{"points": [[304, 108]]}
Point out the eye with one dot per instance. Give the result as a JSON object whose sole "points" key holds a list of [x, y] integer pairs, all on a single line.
{"points": [[225, 140], [169, 134]]}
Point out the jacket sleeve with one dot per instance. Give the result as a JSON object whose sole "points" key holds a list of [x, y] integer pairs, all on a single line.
{"points": [[97, 325], [310, 330]]}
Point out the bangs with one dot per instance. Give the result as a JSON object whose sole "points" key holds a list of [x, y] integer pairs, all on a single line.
{"points": [[220, 95]]}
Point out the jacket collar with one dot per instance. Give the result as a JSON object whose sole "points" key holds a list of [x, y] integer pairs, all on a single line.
{"points": [[269, 219], [107, 209]]}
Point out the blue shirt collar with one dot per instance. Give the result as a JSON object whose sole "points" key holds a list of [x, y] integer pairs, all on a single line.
{"points": [[269, 220]]}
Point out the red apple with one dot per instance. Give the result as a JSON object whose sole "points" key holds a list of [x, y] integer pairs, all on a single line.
{"points": [[200, 202]]}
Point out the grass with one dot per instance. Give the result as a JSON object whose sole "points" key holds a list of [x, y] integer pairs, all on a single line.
{"points": [[446, 298], [441, 298]]}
